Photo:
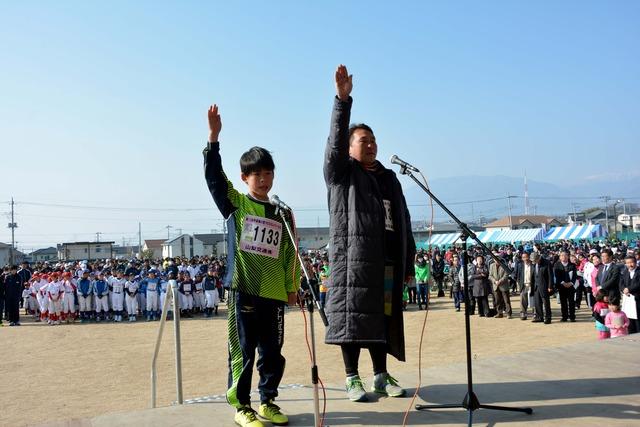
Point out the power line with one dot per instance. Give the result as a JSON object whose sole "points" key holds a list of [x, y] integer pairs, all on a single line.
{"points": [[112, 208], [306, 209]]}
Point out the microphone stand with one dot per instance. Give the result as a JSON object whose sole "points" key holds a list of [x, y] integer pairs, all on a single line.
{"points": [[310, 298], [470, 401]]}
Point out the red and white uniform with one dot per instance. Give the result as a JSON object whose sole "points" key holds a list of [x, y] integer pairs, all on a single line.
{"points": [[68, 301], [55, 295], [41, 297]]}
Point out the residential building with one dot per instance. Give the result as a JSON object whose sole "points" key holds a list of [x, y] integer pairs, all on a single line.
{"points": [[78, 251], [629, 222], [518, 222], [46, 254], [154, 245], [182, 246], [311, 238], [214, 243]]}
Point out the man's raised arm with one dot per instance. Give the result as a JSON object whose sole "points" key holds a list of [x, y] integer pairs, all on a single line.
{"points": [[336, 158]]}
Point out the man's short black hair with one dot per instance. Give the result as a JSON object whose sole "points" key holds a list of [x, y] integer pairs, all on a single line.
{"points": [[608, 252], [355, 126], [255, 160]]}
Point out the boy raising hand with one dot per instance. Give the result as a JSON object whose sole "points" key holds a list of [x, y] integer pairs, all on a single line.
{"points": [[264, 273]]}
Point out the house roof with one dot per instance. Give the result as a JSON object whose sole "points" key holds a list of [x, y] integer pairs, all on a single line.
{"points": [[4, 245], [304, 232], [44, 251], [210, 239], [168, 242], [594, 213], [154, 243], [87, 243], [519, 219]]}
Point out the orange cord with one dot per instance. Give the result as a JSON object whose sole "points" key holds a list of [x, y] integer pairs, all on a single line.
{"points": [[424, 324], [306, 328]]}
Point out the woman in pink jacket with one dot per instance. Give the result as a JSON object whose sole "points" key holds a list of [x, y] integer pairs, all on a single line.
{"points": [[595, 259]]}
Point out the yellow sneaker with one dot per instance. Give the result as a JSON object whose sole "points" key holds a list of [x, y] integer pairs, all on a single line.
{"points": [[246, 417], [270, 411]]}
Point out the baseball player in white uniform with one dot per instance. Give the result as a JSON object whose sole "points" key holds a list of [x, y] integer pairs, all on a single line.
{"points": [[116, 288], [131, 290]]}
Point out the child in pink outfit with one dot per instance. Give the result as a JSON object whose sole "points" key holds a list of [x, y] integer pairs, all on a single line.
{"points": [[616, 320], [600, 311]]}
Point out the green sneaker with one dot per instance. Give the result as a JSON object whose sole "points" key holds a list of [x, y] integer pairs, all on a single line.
{"points": [[246, 417], [355, 389], [270, 411], [387, 385]]}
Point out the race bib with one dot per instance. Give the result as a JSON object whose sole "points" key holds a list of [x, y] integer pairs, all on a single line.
{"points": [[261, 236], [388, 218]]}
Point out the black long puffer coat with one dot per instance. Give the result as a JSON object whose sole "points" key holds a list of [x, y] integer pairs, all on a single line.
{"points": [[355, 300]]}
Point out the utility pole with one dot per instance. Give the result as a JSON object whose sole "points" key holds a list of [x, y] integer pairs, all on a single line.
{"points": [[168, 227], [140, 240], [575, 215], [526, 194], [224, 235], [606, 210], [473, 216], [98, 236], [12, 225], [510, 217]]}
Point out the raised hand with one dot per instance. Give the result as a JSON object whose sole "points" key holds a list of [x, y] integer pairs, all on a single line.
{"points": [[344, 83], [215, 123]]}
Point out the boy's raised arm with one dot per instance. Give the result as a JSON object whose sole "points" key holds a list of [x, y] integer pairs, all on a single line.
{"points": [[224, 195]]}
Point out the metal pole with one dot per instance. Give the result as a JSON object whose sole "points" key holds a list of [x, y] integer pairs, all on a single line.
{"points": [[176, 329], [314, 367], [510, 217], [224, 233], [140, 240], [606, 211], [13, 226], [163, 318]]}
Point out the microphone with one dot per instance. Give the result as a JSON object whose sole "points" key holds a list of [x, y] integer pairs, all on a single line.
{"points": [[275, 201], [398, 161]]}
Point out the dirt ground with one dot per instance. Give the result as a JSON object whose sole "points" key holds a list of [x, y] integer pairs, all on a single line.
{"points": [[52, 373]]}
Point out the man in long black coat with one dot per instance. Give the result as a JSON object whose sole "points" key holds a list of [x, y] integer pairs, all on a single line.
{"points": [[13, 295], [630, 285], [371, 249], [543, 284], [565, 274], [609, 277]]}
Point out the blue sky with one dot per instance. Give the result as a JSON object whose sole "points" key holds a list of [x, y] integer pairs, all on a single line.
{"points": [[105, 102]]}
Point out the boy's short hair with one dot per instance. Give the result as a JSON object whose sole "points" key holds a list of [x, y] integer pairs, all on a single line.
{"points": [[255, 160], [355, 126]]}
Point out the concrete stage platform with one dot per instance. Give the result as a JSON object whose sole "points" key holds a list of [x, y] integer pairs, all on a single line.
{"points": [[592, 384]]}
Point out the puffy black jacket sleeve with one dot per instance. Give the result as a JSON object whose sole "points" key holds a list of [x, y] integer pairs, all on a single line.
{"points": [[336, 157]]}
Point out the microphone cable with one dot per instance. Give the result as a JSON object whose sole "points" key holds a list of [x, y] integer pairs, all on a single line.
{"points": [[306, 328], [426, 316]]}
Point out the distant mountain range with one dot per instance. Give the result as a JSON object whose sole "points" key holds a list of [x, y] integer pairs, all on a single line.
{"points": [[554, 199]]}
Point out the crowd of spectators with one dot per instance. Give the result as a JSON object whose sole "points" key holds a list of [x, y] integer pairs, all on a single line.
{"points": [[597, 276]]}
